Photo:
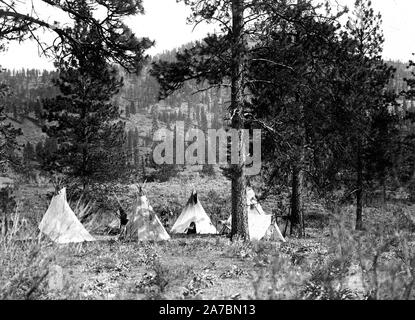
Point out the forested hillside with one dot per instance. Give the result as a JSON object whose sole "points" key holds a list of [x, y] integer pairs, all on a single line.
{"points": [[138, 105]]}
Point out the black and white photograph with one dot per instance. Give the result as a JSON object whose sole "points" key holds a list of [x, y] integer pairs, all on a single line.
{"points": [[226, 151]]}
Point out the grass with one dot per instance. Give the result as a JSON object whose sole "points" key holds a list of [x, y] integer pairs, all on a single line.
{"points": [[333, 262], [24, 264]]}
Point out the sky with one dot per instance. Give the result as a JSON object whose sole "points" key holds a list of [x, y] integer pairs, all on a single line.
{"points": [[165, 22]]}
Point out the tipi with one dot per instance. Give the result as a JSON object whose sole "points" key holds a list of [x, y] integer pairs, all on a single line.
{"points": [[260, 224], [194, 217], [143, 224], [60, 223]]}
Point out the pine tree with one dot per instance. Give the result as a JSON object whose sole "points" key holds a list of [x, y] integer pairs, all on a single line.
{"points": [[180, 116], [404, 164], [133, 109], [7, 205], [28, 153], [198, 117], [39, 151], [225, 58], [127, 112], [155, 124], [38, 109], [203, 121], [167, 171], [369, 77], [15, 112], [143, 167], [218, 59], [189, 110], [50, 146], [188, 124], [136, 157], [89, 136], [8, 135], [136, 138], [119, 44]]}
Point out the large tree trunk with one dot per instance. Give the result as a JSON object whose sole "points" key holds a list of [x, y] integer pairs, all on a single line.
{"points": [[240, 228], [239, 204], [5, 223], [4, 230], [384, 194], [297, 183], [359, 192], [297, 218]]}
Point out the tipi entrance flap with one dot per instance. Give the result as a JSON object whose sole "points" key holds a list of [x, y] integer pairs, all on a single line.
{"points": [[60, 223], [194, 212]]}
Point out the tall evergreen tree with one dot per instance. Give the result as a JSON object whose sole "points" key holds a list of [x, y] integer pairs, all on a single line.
{"points": [[203, 121], [133, 109], [290, 87], [39, 151], [127, 112], [130, 138], [136, 137], [82, 118], [205, 61], [367, 78], [28, 153], [223, 60], [8, 135], [404, 151]]}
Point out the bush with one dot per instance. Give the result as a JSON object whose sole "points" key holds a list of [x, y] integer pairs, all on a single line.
{"points": [[7, 206], [208, 170], [23, 269]]}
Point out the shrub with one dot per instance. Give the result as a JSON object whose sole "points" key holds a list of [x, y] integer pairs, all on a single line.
{"points": [[24, 269]]}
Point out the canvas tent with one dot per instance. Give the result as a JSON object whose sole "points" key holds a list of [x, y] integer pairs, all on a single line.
{"points": [[60, 223], [193, 215], [143, 224], [260, 224]]}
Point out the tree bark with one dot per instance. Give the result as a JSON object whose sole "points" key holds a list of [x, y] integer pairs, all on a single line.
{"points": [[297, 218], [5, 224], [297, 187], [4, 229], [359, 192], [239, 204]]}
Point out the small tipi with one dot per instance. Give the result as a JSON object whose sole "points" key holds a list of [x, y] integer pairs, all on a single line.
{"points": [[60, 223], [143, 224], [194, 218], [260, 224]]}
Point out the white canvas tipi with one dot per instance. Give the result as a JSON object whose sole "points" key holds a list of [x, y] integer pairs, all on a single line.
{"points": [[259, 223], [193, 215], [143, 224], [60, 223]]}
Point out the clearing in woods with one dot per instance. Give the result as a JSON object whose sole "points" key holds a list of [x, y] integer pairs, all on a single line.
{"points": [[332, 262]]}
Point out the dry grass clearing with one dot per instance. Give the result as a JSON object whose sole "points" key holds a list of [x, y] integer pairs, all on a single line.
{"points": [[332, 262]]}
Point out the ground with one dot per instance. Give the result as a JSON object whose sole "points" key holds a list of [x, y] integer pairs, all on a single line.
{"points": [[200, 267], [332, 262], [177, 269]]}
